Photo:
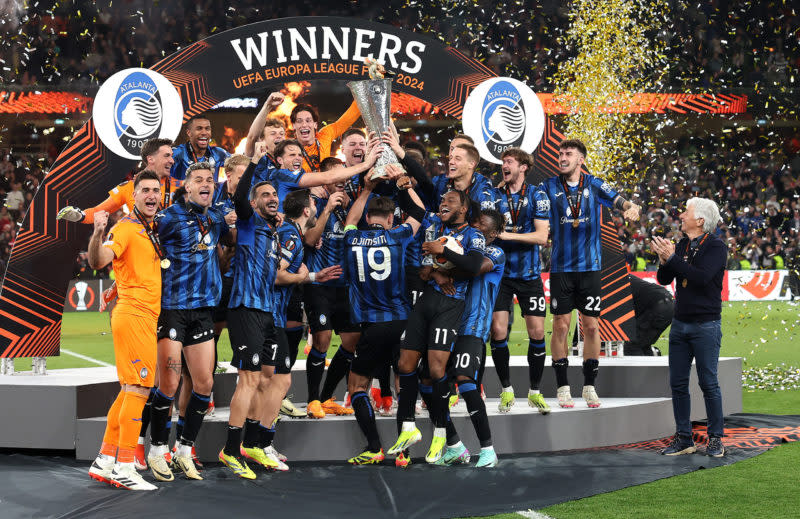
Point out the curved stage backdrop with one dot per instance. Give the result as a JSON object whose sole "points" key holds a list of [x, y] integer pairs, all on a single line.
{"points": [[252, 58]]}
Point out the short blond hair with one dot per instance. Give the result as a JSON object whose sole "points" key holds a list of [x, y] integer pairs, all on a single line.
{"points": [[236, 160]]}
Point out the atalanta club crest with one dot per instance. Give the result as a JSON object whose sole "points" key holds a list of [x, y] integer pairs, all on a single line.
{"points": [[135, 105], [501, 113]]}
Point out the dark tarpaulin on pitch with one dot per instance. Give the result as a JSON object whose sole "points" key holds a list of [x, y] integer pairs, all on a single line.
{"points": [[48, 486]]}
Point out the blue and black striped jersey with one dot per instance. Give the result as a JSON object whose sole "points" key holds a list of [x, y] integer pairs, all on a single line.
{"points": [[376, 274], [184, 157], [190, 238], [224, 202], [480, 190], [264, 169], [468, 237], [577, 249], [414, 250], [481, 295], [284, 181], [291, 249], [520, 209], [332, 250], [257, 262]]}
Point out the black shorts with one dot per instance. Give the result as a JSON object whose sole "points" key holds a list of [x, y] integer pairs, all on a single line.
{"points": [[433, 322], [571, 290], [284, 357], [253, 339], [294, 310], [221, 310], [530, 294], [328, 308], [467, 356], [188, 327], [415, 287], [378, 346]]}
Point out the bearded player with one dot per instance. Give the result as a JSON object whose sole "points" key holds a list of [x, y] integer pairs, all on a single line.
{"points": [[197, 149], [576, 261], [135, 253], [434, 321]]}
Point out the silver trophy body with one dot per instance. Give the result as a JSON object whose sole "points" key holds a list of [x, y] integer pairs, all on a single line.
{"points": [[374, 97]]}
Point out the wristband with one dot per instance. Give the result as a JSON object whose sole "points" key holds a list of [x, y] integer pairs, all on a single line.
{"points": [[312, 276]]}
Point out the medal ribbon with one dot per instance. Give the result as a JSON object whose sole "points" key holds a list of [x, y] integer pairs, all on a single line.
{"points": [[576, 210], [691, 253], [151, 234], [452, 231], [514, 209], [166, 197], [313, 160]]}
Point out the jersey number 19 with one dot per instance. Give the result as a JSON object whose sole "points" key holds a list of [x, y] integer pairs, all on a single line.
{"points": [[379, 270]]}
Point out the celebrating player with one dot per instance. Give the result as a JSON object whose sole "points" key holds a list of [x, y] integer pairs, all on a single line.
{"points": [[327, 303], [461, 176], [316, 145], [375, 261], [197, 149], [268, 130], [135, 253], [252, 328], [434, 321], [527, 212], [469, 351], [576, 260], [191, 289]]}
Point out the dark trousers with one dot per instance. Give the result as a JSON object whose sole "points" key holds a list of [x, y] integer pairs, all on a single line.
{"points": [[701, 342], [649, 327]]}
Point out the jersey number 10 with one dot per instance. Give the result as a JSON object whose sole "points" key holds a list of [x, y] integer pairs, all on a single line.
{"points": [[379, 270]]}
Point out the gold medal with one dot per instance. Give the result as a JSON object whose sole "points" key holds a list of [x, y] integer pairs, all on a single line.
{"points": [[575, 223], [684, 283], [514, 229], [165, 263]]}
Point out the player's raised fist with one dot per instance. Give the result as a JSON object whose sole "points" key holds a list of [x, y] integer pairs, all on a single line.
{"points": [[275, 99], [70, 214], [100, 221], [259, 151]]}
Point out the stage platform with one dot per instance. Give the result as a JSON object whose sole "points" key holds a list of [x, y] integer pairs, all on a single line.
{"points": [[65, 409], [522, 430]]}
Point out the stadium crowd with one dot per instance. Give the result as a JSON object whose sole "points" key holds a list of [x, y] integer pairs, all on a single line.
{"points": [[710, 44]]}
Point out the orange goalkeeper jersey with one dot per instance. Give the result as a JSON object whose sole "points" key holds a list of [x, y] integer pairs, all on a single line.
{"points": [[136, 267], [321, 148]]}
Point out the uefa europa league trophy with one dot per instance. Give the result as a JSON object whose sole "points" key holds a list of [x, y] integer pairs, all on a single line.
{"points": [[373, 97]]}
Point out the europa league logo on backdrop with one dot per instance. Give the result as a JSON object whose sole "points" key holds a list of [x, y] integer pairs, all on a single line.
{"points": [[135, 105], [501, 113], [81, 297]]}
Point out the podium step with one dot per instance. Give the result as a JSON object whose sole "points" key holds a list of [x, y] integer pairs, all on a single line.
{"points": [[522, 430]]}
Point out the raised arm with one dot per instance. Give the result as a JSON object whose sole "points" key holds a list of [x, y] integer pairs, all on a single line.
{"points": [[257, 126], [357, 209], [241, 198], [334, 176], [312, 235], [98, 255], [335, 129]]}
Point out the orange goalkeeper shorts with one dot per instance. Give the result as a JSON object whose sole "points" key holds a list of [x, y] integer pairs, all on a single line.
{"points": [[135, 350]]}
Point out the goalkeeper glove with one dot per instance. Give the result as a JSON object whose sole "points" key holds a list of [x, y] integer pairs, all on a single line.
{"points": [[71, 214]]}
